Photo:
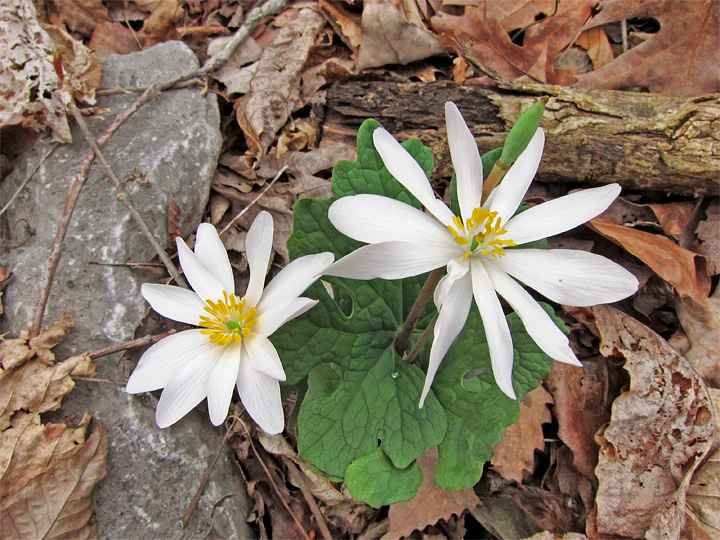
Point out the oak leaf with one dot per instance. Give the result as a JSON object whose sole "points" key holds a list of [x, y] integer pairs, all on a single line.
{"points": [[682, 58], [431, 503]]}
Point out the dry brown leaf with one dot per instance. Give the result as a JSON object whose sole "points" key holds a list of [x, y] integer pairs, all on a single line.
{"points": [[701, 322], [580, 409], [486, 34], [113, 38], [349, 28], [388, 38], [673, 217], [236, 75], [431, 503], [57, 503], [703, 494], [682, 58], [219, 204], [275, 92], [82, 16], [659, 431], [596, 43], [708, 232], [37, 85], [676, 265], [42, 344], [160, 25], [516, 452]]}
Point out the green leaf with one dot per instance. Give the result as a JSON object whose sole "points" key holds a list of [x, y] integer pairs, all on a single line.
{"points": [[375, 480], [522, 132], [355, 405], [477, 410]]}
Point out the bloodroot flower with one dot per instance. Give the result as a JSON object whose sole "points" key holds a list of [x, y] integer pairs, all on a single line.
{"points": [[478, 247], [231, 347]]}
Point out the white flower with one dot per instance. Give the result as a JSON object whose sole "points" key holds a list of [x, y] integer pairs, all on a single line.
{"points": [[231, 347], [404, 241]]}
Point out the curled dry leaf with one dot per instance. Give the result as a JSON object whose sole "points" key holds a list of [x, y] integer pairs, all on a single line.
{"points": [[516, 452], [388, 38], [431, 503], [37, 85], [275, 88], [113, 38], [660, 430], [580, 409], [676, 265], [596, 43], [673, 217], [160, 25], [82, 16]]}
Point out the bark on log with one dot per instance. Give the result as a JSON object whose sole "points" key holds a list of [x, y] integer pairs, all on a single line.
{"points": [[642, 141]]}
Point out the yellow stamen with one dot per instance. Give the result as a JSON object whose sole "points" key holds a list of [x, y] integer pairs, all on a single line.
{"points": [[481, 232], [228, 320]]}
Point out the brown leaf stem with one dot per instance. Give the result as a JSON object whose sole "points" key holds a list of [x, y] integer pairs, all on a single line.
{"points": [[140, 342], [403, 338], [298, 476]]}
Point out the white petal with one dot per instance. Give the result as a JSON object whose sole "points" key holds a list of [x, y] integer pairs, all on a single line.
{"points": [[278, 314], [456, 269], [392, 260], [570, 277], [174, 303], [212, 255], [292, 280], [497, 331], [221, 383], [260, 394], [184, 391], [373, 219], [561, 214], [258, 248], [509, 194], [159, 364], [450, 322], [536, 320], [202, 280], [410, 174], [466, 161], [263, 357]]}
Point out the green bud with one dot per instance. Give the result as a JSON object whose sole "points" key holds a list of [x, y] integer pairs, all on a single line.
{"points": [[522, 132]]}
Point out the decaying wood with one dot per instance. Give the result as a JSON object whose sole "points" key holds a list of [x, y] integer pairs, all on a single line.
{"points": [[642, 141]]}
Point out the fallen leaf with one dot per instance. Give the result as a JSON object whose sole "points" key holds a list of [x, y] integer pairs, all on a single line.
{"points": [[350, 31], [34, 94], [160, 25], [58, 502], [430, 504], [676, 265], [42, 344], [484, 29], [596, 43], [113, 38], [580, 409], [659, 431], [274, 92], [703, 492], [673, 217], [701, 322], [236, 75], [516, 452], [219, 204], [682, 58], [82, 16], [388, 38], [708, 232]]}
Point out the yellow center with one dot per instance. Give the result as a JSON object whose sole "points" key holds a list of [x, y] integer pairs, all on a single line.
{"points": [[227, 321], [481, 234]]}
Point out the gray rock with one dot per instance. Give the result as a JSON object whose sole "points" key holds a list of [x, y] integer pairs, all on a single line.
{"points": [[175, 141]]}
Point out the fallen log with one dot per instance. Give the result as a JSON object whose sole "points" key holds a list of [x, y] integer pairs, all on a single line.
{"points": [[642, 141]]}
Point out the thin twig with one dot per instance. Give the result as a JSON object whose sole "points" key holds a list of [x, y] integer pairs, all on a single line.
{"points": [[299, 477], [140, 342], [272, 482], [78, 181], [125, 199], [187, 516], [28, 178], [403, 338], [254, 201], [95, 379]]}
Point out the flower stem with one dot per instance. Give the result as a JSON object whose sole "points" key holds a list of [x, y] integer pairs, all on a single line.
{"points": [[422, 341], [403, 338], [498, 171]]}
